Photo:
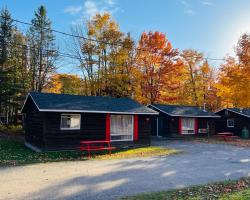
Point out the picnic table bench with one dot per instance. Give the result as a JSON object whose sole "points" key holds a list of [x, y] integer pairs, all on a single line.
{"points": [[95, 146], [226, 136]]}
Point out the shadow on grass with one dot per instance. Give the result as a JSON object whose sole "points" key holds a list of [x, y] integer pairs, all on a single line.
{"points": [[14, 153]]}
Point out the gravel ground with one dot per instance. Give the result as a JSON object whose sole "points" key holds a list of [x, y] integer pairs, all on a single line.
{"points": [[111, 179]]}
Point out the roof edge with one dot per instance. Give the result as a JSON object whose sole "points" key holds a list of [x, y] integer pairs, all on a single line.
{"points": [[218, 116], [233, 112], [29, 95], [95, 111]]}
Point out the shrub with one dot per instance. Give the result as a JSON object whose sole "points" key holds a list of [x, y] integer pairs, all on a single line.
{"points": [[11, 129]]}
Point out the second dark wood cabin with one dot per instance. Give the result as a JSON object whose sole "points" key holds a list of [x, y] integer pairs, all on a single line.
{"points": [[61, 121], [182, 120], [233, 120]]}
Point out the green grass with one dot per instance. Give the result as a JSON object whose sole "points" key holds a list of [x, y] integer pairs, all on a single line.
{"points": [[241, 195], [226, 190], [15, 153]]}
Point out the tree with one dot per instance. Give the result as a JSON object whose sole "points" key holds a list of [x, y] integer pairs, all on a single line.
{"points": [[156, 60], [6, 28], [199, 80], [65, 83], [13, 67], [42, 50], [234, 77], [226, 82], [105, 57], [5, 35], [192, 59]]}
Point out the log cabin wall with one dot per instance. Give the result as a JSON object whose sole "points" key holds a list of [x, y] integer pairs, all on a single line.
{"points": [[33, 125], [240, 122], [93, 127]]}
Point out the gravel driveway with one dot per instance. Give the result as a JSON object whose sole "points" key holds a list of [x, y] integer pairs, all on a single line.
{"points": [[111, 179]]}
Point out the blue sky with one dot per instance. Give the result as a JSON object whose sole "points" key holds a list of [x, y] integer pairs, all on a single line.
{"points": [[210, 26]]}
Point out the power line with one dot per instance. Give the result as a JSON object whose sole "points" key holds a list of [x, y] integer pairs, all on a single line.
{"points": [[95, 40]]}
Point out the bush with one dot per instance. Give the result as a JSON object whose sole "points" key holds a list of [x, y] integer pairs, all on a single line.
{"points": [[11, 129]]}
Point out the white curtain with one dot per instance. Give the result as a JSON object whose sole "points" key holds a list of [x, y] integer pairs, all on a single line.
{"points": [[70, 121], [188, 125], [121, 127], [75, 121]]}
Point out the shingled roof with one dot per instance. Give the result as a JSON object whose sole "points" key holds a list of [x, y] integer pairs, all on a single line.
{"points": [[47, 102], [245, 111], [182, 111]]}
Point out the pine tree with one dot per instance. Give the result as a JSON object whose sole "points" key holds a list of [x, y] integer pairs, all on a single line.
{"points": [[42, 52], [6, 26]]}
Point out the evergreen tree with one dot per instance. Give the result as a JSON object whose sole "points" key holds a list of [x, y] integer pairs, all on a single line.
{"points": [[6, 26], [42, 49]]}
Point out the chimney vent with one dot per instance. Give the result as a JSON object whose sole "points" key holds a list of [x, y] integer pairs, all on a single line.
{"points": [[204, 107]]}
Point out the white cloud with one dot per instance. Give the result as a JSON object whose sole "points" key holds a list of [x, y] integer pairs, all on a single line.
{"points": [[189, 12], [110, 2], [206, 3], [187, 8], [185, 3], [90, 8], [73, 10]]}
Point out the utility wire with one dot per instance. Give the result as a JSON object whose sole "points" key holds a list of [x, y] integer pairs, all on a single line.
{"points": [[94, 40]]}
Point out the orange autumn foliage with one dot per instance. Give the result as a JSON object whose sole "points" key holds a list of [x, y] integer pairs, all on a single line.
{"points": [[65, 83], [234, 77], [156, 62]]}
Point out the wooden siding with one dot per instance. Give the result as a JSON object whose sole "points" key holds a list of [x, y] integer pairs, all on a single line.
{"points": [[144, 129], [93, 127], [33, 125], [240, 122]]}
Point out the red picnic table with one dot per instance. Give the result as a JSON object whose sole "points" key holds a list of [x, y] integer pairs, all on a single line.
{"points": [[96, 146], [226, 135]]}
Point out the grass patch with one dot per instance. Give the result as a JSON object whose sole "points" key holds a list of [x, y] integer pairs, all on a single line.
{"points": [[15, 153], [232, 190]]}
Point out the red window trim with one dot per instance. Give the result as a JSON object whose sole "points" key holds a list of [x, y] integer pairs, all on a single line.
{"points": [[195, 126], [108, 127], [180, 126], [135, 127]]}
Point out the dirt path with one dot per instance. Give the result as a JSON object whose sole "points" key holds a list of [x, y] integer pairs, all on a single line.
{"points": [[111, 179]]}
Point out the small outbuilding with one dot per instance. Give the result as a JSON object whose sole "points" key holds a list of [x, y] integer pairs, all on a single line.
{"points": [[233, 120], [182, 120], [61, 121]]}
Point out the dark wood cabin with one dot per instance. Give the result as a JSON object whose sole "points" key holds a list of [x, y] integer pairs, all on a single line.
{"points": [[182, 120], [60, 121], [233, 120]]}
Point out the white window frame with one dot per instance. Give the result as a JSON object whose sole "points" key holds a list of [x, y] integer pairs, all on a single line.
{"points": [[64, 114], [228, 125], [132, 138]]}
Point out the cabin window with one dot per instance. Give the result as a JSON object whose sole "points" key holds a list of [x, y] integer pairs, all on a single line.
{"points": [[230, 123], [188, 125], [121, 127], [70, 121]]}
